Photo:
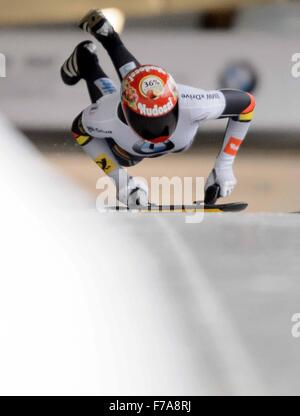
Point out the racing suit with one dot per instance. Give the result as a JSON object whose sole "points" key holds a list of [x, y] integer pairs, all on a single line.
{"points": [[103, 133]]}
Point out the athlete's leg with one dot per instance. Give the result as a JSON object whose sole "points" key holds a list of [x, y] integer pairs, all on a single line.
{"points": [[95, 23], [84, 64], [121, 58]]}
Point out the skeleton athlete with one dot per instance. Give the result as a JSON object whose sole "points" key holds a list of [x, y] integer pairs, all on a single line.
{"points": [[151, 115]]}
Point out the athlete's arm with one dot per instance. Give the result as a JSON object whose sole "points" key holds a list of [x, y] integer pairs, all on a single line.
{"points": [[239, 108], [130, 191]]}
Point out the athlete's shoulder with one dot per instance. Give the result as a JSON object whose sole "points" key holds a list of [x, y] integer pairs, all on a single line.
{"points": [[209, 102], [103, 111], [189, 94], [104, 107]]}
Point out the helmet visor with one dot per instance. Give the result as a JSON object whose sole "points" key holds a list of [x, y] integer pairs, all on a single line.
{"points": [[151, 128]]}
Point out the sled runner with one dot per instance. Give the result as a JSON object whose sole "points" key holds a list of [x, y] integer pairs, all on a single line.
{"points": [[209, 205], [230, 207]]}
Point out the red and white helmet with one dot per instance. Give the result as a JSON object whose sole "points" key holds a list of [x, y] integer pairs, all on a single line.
{"points": [[149, 99]]}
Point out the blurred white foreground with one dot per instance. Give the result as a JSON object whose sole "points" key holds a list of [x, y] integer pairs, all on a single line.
{"points": [[80, 309], [139, 304]]}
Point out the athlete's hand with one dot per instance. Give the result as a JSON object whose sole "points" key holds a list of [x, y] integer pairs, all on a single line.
{"points": [[135, 195], [223, 177]]}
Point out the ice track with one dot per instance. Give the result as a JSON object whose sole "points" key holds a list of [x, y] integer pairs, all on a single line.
{"points": [[140, 303]]}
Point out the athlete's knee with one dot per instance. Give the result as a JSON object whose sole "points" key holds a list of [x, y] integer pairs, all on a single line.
{"points": [[238, 104]]}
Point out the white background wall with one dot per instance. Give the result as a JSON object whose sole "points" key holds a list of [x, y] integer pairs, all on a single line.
{"points": [[33, 95]]}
